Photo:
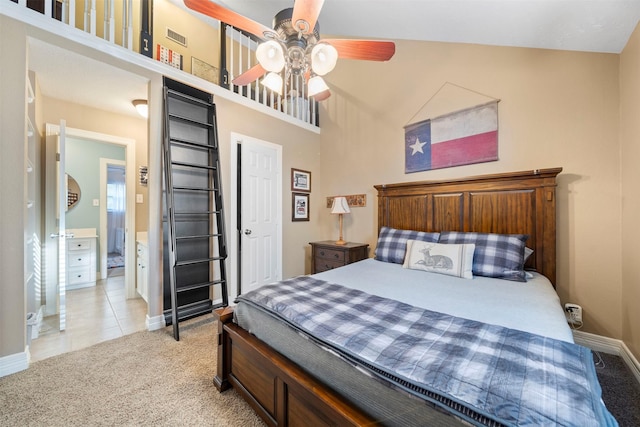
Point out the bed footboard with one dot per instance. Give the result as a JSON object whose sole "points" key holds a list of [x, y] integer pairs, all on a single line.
{"points": [[221, 380], [280, 392]]}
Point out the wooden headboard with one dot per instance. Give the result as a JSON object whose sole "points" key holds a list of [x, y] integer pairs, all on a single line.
{"points": [[506, 203]]}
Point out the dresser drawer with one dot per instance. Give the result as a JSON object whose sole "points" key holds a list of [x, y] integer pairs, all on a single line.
{"points": [[141, 251], [78, 275], [79, 245], [330, 254], [323, 264], [79, 259]]}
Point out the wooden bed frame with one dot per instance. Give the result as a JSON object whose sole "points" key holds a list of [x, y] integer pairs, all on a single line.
{"points": [[282, 393]]}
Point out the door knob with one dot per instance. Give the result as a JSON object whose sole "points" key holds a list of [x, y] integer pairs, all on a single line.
{"points": [[247, 231]]}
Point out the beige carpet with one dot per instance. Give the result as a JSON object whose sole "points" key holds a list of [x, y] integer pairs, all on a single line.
{"points": [[143, 379]]}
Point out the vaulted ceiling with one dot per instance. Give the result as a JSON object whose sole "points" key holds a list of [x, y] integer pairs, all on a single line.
{"points": [[582, 25], [579, 25]]}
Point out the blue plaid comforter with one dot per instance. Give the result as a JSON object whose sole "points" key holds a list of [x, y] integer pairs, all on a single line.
{"points": [[482, 373]]}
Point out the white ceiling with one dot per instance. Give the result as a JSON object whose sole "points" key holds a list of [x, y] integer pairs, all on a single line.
{"points": [[87, 81], [582, 25], [579, 25]]}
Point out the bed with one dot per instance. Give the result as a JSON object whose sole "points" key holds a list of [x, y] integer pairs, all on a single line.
{"points": [[294, 363]]}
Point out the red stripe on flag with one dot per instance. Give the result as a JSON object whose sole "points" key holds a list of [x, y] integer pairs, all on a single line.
{"points": [[478, 148]]}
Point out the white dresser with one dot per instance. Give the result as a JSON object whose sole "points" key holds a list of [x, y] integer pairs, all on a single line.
{"points": [[81, 258]]}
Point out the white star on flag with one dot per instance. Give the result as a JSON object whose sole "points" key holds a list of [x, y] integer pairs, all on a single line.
{"points": [[417, 146]]}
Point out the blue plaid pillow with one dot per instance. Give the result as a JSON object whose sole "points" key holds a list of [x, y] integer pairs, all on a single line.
{"points": [[496, 255], [392, 243]]}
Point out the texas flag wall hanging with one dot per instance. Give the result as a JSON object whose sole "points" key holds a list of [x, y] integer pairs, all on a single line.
{"points": [[459, 138]]}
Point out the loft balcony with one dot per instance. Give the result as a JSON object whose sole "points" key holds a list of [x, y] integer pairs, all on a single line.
{"points": [[166, 31]]}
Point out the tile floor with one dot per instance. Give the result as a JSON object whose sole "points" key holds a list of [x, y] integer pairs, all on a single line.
{"points": [[94, 314]]}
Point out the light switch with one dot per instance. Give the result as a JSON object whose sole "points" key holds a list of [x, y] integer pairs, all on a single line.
{"points": [[139, 198], [96, 202]]}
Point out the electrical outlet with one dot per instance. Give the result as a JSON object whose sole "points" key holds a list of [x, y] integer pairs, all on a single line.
{"points": [[573, 313]]}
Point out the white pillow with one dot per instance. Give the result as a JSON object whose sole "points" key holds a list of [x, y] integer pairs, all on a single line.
{"points": [[450, 259]]}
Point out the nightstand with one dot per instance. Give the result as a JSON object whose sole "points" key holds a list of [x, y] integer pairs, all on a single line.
{"points": [[326, 255]]}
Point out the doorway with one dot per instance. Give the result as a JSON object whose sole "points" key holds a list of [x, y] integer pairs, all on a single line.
{"points": [[85, 216], [256, 232], [103, 311], [116, 208]]}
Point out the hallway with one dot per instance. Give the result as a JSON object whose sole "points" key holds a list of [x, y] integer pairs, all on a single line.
{"points": [[94, 314]]}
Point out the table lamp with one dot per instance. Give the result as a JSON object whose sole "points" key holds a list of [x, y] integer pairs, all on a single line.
{"points": [[340, 207]]}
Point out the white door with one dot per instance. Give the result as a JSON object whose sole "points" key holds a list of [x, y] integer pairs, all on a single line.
{"points": [[55, 210], [261, 215]]}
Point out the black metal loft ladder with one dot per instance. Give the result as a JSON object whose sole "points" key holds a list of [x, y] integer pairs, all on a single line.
{"points": [[194, 232]]}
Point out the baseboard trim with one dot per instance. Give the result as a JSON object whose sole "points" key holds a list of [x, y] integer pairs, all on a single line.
{"points": [[154, 323], [14, 363], [610, 346]]}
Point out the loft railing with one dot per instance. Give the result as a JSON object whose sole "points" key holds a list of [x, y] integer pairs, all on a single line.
{"points": [[113, 21], [83, 14], [238, 55]]}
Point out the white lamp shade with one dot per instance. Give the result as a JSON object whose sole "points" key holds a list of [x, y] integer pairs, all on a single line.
{"points": [[323, 58], [271, 56], [273, 81], [316, 85], [340, 205]]}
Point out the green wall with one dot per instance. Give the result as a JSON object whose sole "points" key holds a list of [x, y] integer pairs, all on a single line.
{"points": [[83, 164]]}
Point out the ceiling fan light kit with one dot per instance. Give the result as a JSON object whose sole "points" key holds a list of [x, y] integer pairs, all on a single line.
{"points": [[273, 81], [323, 58], [271, 56], [316, 85], [294, 45]]}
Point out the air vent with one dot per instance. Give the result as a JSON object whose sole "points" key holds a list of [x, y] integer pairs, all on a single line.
{"points": [[176, 37]]}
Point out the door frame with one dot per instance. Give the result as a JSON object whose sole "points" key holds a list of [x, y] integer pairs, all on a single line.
{"points": [[235, 261], [130, 217]]}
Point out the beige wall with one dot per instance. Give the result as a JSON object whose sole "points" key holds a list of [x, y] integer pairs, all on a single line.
{"points": [[301, 150], [202, 38], [13, 110], [630, 143], [557, 108]]}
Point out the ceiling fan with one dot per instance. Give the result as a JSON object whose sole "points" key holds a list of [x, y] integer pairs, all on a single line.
{"points": [[294, 45]]}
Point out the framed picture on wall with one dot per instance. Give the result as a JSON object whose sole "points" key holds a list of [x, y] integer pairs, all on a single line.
{"points": [[300, 180], [299, 207], [203, 70]]}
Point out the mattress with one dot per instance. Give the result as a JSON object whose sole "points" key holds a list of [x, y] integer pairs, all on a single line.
{"points": [[532, 306]]}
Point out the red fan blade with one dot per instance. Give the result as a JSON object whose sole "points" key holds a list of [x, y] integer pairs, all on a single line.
{"points": [[230, 17], [249, 76], [322, 95], [307, 11], [371, 50]]}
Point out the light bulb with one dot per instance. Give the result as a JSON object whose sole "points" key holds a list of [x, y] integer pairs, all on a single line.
{"points": [[271, 56], [323, 58], [141, 107], [273, 81], [316, 85]]}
